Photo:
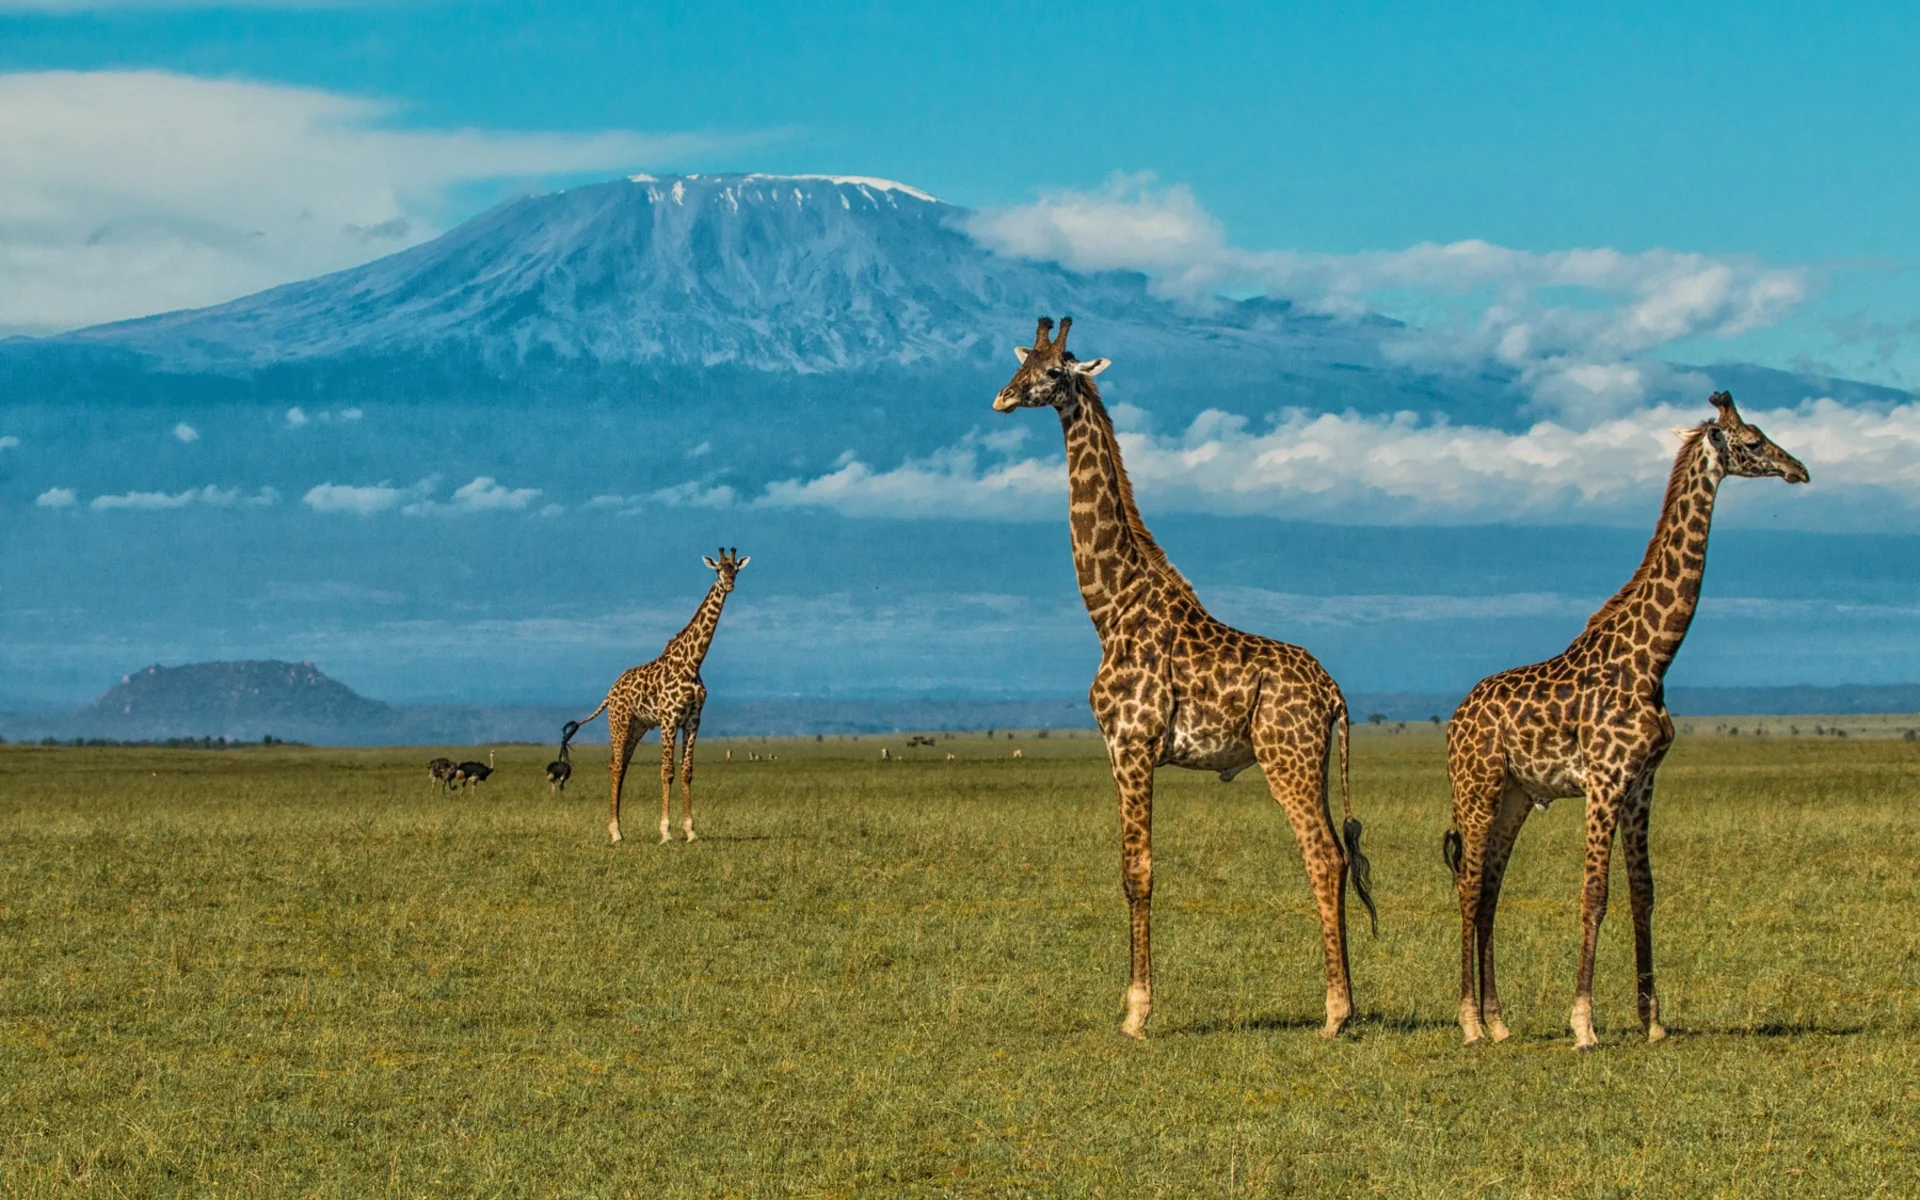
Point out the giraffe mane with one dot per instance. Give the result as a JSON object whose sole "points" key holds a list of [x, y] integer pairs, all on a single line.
{"points": [[1676, 481], [1137, 528]]}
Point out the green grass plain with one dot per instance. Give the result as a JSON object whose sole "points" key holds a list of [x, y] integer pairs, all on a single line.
{"points": [[284, 972]]}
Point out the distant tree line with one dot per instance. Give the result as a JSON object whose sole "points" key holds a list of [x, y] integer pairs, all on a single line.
{"points": [[172, 743]]}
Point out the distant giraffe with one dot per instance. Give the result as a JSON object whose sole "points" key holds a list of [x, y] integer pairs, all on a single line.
{"points": [[1177, 687], [665, 694], [1593, 721]]}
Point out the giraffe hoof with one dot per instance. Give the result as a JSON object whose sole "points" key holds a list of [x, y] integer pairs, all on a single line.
{"points": [[1656, 1032], [1586, 1047], [692, 836], [1499, 1032], [1473, 1038], [1137, 1032]]}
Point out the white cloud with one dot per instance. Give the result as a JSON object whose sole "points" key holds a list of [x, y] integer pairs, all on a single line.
{"points": [[1259, 606], [216, 497], [298, 417], [124, 193], [693, 495], [362, 501], [1576, 324], [483, 494], [58, 497], [186, 432], [957, 481], [1387, 469], [9, 442]]}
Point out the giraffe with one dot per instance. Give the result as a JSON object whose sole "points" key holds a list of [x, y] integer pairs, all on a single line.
{"points": [[665, 694], [1592, 721], [1176, 687]]}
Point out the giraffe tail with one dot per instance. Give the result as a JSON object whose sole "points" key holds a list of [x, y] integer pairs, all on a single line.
{"points": [[1360, 870], [572, 727], [1451, 849]]}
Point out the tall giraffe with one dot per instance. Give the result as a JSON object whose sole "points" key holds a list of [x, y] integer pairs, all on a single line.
{"points": [[1593, 721], [665, 694], [1176, 687]]}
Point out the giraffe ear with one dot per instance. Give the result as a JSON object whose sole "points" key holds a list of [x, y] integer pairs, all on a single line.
{"points": [[1092, 366], [711, 565], [743, 562], [1021, 352]]}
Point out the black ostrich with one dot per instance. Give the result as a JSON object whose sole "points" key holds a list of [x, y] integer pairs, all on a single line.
{"points": [[561, 769], [471, 773]]}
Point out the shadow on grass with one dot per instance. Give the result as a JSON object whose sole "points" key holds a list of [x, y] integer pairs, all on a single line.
{"points": [[1362, 1024], [1771, 1029]]}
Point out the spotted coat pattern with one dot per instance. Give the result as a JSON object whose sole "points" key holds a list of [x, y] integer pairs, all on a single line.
{"points": [[1592, 721], [666, 694], [1176, 687]]}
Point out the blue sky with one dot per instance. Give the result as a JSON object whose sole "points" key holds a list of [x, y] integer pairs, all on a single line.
{"points": [[1781, 132]]}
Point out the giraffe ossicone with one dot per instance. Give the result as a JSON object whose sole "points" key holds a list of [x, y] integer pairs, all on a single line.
{"points": [[1591, 721], [1176, 687], [666, 694]]}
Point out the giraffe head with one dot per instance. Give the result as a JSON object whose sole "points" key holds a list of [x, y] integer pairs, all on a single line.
{"points": [[1048, 374], [727, 567], [1742, 449]]}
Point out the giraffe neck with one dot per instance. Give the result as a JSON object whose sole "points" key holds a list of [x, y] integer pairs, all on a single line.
{"points": [[692, 642], [1648, 618], [1114, 555]]}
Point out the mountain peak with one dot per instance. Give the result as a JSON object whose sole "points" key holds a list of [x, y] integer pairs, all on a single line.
{"points": [[246, 699], [868, 183], [770, 272]]}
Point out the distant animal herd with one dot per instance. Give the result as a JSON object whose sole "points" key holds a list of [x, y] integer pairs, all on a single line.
{"points": [[1175, 687]]}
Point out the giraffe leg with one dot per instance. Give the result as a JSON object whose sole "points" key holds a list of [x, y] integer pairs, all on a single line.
{"points": [[1633, 840], [667, 735], [1514, 807], [691, 732], [1133, 780], [1475, 805], [1603, 811], [1302, 794], [620, 751]]}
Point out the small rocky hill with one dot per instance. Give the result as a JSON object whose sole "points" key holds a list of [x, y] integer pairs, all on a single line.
{"points": [[242, 701]]}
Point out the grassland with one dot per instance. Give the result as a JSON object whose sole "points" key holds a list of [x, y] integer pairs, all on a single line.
{"points": [[283, 972]]}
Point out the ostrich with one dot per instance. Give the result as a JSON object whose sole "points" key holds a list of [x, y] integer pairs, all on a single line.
{"points": [[440, 773], [471, 773]]}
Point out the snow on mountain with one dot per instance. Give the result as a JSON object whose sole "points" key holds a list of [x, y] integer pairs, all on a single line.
{"points": [[807, 273]]}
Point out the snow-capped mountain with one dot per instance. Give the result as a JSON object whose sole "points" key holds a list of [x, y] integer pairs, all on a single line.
{"points": [[767, 272], [781, 274]]}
